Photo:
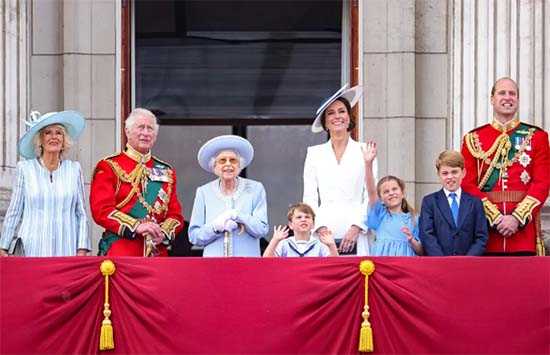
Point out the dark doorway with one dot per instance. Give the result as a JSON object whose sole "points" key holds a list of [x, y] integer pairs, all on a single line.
{"points": [[258, 69]]}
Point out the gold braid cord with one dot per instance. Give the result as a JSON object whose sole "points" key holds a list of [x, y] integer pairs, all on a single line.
{"points": [[138, 179], [106, 339], [366, 343], [500, 148]]}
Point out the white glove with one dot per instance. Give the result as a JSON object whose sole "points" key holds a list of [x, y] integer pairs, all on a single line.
{"points": [[219, 222], [230, 225], [232, 214]]}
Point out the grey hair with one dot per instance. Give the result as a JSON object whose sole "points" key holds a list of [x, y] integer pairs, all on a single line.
{"points": [[212, 161], [37, 140], [139, 112]]}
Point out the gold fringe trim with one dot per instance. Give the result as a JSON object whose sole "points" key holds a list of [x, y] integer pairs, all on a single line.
{"points": [[106, 338], [524, 210], [169, 227], [366, 343], [492, 213]]}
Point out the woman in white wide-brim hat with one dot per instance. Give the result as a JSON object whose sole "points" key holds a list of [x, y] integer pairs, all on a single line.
{"points": [[334, 175], [48, 195], [230, 213]]}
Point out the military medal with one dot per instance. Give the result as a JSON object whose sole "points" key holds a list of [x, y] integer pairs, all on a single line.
{"points": [[524, 159], [524, 177], [518, 142]]}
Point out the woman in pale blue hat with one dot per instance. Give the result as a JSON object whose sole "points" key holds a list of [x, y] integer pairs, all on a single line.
{"points": [[230, 213], [48, 195], [334, 174]]}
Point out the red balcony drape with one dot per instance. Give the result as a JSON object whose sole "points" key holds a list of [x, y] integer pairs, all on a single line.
{"points": [[248, 305]]}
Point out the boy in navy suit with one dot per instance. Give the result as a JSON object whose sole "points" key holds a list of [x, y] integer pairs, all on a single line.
{"points": [[452, 222]]}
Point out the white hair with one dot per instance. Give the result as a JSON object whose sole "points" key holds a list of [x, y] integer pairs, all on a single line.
{"points": [[140, 112], [212, 162]]}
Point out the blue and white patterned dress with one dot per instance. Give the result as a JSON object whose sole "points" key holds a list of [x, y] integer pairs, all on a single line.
{"points": [[390, 240], [50, 207]]}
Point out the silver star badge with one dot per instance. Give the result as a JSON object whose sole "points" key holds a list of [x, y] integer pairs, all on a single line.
{"points": [[524, 177], [524, 159]]}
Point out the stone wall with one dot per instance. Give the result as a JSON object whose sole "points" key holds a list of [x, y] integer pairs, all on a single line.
{"points": [[69, 52], [406, 75], [427, 69]]}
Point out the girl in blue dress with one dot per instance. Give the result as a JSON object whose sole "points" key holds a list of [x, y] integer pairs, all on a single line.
{"points": [[389, 213]]}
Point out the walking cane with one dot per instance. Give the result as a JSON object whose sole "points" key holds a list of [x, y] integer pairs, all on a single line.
{"points": [[227, 247]]}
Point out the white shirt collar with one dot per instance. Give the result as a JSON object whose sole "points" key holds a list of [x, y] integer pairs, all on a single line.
{"points": [[458, 193]]}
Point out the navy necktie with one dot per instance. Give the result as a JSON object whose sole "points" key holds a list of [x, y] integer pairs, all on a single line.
{"points": [[454, 207]]}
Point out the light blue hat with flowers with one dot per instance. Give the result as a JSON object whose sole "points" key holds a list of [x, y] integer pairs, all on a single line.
{"points": [[226, 142], [73, 122]]}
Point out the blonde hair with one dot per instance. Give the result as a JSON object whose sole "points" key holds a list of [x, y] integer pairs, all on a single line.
{"points": [[37, 140], [450, 158], [300, 207], [405, 206]]}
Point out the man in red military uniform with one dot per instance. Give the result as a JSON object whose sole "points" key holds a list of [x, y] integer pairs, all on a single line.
{"points": [[508, 166], [133, 195]]}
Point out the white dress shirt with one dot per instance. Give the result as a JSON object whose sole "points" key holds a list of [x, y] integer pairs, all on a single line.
{"points": [[458, 193]]}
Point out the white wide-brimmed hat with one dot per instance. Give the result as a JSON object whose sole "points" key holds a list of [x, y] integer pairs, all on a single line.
{"points": [[73, 122], [227, 142], [351, 94]]}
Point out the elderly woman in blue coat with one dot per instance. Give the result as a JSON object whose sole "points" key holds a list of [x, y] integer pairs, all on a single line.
{"points": [[229, 213]]}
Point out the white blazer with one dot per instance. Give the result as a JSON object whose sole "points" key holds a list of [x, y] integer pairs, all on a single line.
{"points": [[337, 192]]}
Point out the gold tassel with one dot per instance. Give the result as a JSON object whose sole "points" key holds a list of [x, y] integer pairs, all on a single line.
{"points": [[540, 247], [106, 338], [366, 343]]}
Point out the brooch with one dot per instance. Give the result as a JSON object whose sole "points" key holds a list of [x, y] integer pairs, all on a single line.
{"points": [[524, 177], [524, 159]]}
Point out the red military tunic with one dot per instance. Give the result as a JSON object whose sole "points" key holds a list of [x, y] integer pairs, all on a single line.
{"points": [[128, 188], [508, 167]]}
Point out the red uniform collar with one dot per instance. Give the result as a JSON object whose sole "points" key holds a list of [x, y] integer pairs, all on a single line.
{"points": [[505, 127], [137, 156]]}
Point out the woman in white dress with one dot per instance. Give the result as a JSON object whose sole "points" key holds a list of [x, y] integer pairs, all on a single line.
{"points": [[48, 195], [334, 175]]}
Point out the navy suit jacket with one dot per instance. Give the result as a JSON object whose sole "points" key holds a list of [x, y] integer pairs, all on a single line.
{"points": [[439, 234]]}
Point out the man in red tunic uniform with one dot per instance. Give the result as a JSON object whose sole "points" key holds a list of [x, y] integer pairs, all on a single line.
{"points": [[508, 166], [133, 195]]}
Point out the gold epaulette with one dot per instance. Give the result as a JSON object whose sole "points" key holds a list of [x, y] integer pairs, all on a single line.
{"points": [[524, 210], [162, 162], [478, 128], [492, 213], [537, 128], [106, 159]]}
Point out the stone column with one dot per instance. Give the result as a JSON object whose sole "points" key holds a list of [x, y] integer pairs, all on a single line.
{"points": [[389, 79], [13, 90], [491, 39]]}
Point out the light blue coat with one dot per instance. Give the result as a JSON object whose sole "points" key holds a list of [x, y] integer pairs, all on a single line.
{"points": [[249, 200]]}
